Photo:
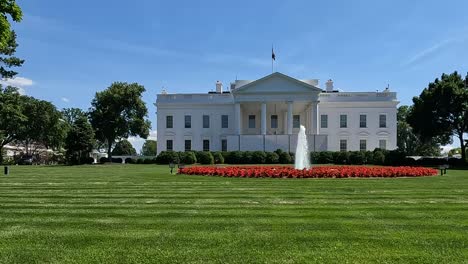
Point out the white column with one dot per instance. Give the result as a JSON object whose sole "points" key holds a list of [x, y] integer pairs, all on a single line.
{"points": [[237, 118], [316, 118], [263, 116], [290, 117]]}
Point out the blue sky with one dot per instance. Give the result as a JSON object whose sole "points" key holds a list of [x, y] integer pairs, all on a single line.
{"points": [[75, 48]]}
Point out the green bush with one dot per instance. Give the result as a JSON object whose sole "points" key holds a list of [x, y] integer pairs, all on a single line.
{"points": [[394, 158], [258, 157], [140, 161], [342, 157], [314, 157], [357, 157], [218, 157], [148, 161], [325, 157], [205, 157], [285, 158], [369, 157], [272, 158], [166, 157], [378, 157], [234, 157], [187, 157], [247, 157]]}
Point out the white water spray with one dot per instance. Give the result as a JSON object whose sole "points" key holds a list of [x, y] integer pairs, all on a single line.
{"points": [[302, 151]]}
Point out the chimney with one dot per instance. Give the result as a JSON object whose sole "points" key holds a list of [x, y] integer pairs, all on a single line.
{"points": [[329, 85], [219, 87]]}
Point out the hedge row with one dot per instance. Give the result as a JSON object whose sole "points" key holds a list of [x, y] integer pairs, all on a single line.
{"points": [[376, 157]]}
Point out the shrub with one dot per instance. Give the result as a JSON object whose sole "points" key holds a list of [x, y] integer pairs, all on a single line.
{"points": [[130, 161], [369, 157], [218, 157], [205, 157], [342, 157], [272, 158], [325, 157], [140, 161], [103, 160], [247, 157], [234, 157], [357, 157], [285, 158], [187, 157], [258, 157], [88, 160], [117, 160], [314, 157], [147, 161], [166, 157], [378, 157], [394, 157]]}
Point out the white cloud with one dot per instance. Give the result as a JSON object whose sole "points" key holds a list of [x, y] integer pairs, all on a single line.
{"points": [[428, 52], [447, 148], [66, 100], [20, 82]]}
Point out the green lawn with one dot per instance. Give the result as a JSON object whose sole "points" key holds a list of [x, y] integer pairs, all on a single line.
{"points": [[142, 214]]}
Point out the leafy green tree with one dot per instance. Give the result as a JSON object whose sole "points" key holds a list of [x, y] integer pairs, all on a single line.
{"points": [[149, 148], [79, 140], [410, 143], [71, 115], [44, 126], [442, 111], [12, 117], [8, 10], [119, 112], [124, 148]]}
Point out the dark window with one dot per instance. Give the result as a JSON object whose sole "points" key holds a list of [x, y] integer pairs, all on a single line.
{"points": [[362, 121], [383, 144], [382, 120], [188, 145], [169, 122], [223, 144], [362, 145], [188, 121], [169, 146], [296, 121], [251, 121], [343, 121], [274, 121], [343, 145], [224, 121], [206, 121], [324, 121], [206, 145]]}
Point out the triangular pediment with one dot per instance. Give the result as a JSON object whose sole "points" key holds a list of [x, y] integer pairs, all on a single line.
{"points": [[276, 83]]}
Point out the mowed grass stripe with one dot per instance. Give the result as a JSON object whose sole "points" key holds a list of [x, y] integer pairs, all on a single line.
{"points": [[142, 214]]}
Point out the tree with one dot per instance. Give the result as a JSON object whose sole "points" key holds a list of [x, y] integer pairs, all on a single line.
{"points": [[71, 115], [124, 148], [119, 112], [410, 143], [442, 111], [79, 140], [8, 38], [44, 126], [12, 116], [149, 148]]}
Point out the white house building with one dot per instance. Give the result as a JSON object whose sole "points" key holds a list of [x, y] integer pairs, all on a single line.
{"points": [[265, 114]]}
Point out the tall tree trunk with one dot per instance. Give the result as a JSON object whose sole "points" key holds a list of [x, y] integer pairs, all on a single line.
{"points": [[109, 153], [462, 147]]}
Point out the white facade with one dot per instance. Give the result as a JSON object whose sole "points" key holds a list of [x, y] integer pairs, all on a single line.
{"points": [[265, 114]]}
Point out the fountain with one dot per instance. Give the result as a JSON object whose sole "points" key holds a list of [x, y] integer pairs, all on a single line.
{"points": [[302, 151]]}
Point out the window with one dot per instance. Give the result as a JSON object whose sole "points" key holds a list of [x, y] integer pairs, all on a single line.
{"points": [[382, 120], [224, 121], [169, 122], [169, 146], [362, 121], [188, 145], [206, 121], [223, 144], [343, 145], [206, 145], [188, 121], [343, 121], [274, 121], [296, 121], [362, 145], [251, 121], [324, 121], [383, 144]]}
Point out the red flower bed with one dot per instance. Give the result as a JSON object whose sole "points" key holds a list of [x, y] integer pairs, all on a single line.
{"points": [[314, 172]]}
